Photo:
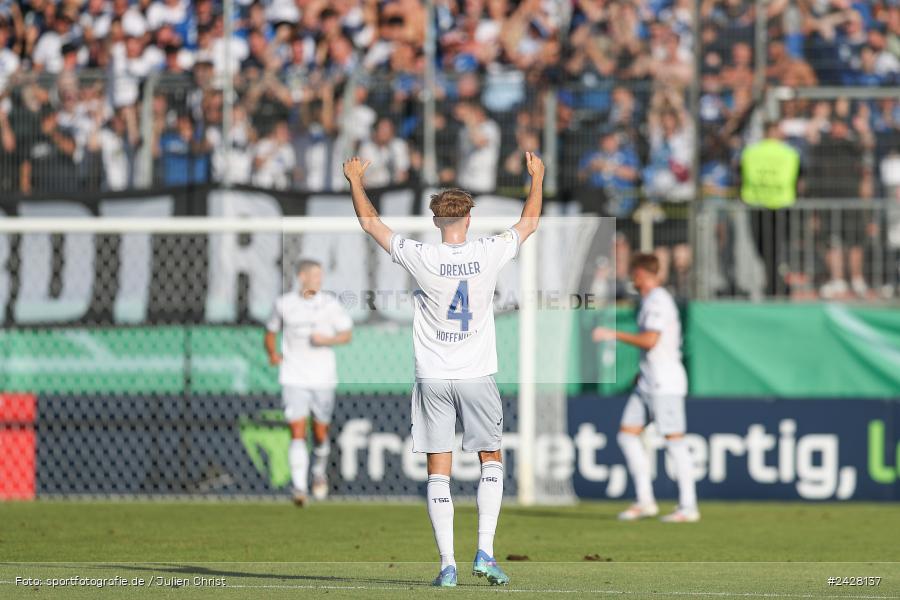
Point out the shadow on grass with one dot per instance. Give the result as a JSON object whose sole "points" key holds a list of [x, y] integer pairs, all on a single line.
{"points": [[549, 513]]}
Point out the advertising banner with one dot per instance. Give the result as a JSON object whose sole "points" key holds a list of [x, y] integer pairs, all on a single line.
{"points": [[230, 359], [236, 446], [17, 446], [805, 449], [797, 350], [732, 350]]}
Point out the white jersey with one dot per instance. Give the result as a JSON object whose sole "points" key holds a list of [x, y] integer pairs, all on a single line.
{"points": [[661, 371], [297, 318], [453, 323]]}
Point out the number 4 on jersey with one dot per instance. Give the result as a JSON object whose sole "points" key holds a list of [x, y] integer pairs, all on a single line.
{"points": [[459, 307]]}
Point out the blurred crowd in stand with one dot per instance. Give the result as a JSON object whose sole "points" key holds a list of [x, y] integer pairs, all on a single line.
{"points": [[317, 80]]}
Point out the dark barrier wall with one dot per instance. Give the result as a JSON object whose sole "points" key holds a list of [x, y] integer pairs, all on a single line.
{"points": [[237, 446]]}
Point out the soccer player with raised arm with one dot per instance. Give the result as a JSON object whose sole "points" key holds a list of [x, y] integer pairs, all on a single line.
{"points": [[310, 322], [455, 351], [660, 391]]}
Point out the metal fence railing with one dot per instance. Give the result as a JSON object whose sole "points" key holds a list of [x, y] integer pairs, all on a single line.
{"points": [[817, 249]]}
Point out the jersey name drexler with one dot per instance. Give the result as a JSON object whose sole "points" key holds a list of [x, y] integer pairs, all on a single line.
{"points": [[453, 321], [297, 318], [661, 370]]}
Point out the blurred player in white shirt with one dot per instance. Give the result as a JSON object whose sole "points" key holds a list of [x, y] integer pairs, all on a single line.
{"points": [[660, 391], [455, 352], [310, 322]]}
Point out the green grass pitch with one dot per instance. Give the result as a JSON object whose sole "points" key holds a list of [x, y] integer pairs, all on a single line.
{"points": [[370, 550]]}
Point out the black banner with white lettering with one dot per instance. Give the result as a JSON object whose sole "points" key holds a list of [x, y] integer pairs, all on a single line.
{"points": [[152, 278]]}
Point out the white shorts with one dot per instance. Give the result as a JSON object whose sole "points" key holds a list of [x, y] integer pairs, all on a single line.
{"points": [[299, 402], [666, 410], [437, 405]]}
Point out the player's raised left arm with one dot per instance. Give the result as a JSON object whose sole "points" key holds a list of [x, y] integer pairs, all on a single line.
{"points": [[365, 211], [531, 212]]}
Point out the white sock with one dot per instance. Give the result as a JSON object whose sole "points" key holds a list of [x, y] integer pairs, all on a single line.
{"points": [[639, 466], [320, 458], [440, 511], [489, 498], [684, 473], [298, 457]]}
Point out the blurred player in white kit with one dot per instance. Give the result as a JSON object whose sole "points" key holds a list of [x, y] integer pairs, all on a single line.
{"points": [[455, 352], [660, 391], [310, 322]]}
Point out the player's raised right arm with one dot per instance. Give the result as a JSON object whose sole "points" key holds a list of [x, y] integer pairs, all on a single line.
{"points": [[368, 216], [531, 212]]}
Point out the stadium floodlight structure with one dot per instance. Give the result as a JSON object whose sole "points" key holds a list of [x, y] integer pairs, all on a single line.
{"points": [[537, 343]]}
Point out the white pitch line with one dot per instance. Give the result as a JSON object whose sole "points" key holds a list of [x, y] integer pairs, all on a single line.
{"points": [[501, 590], [431, 562], [609, 592]]}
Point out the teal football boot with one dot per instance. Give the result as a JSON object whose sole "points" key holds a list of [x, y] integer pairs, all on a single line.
{"points": [[486, 566], [447, 578]]}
